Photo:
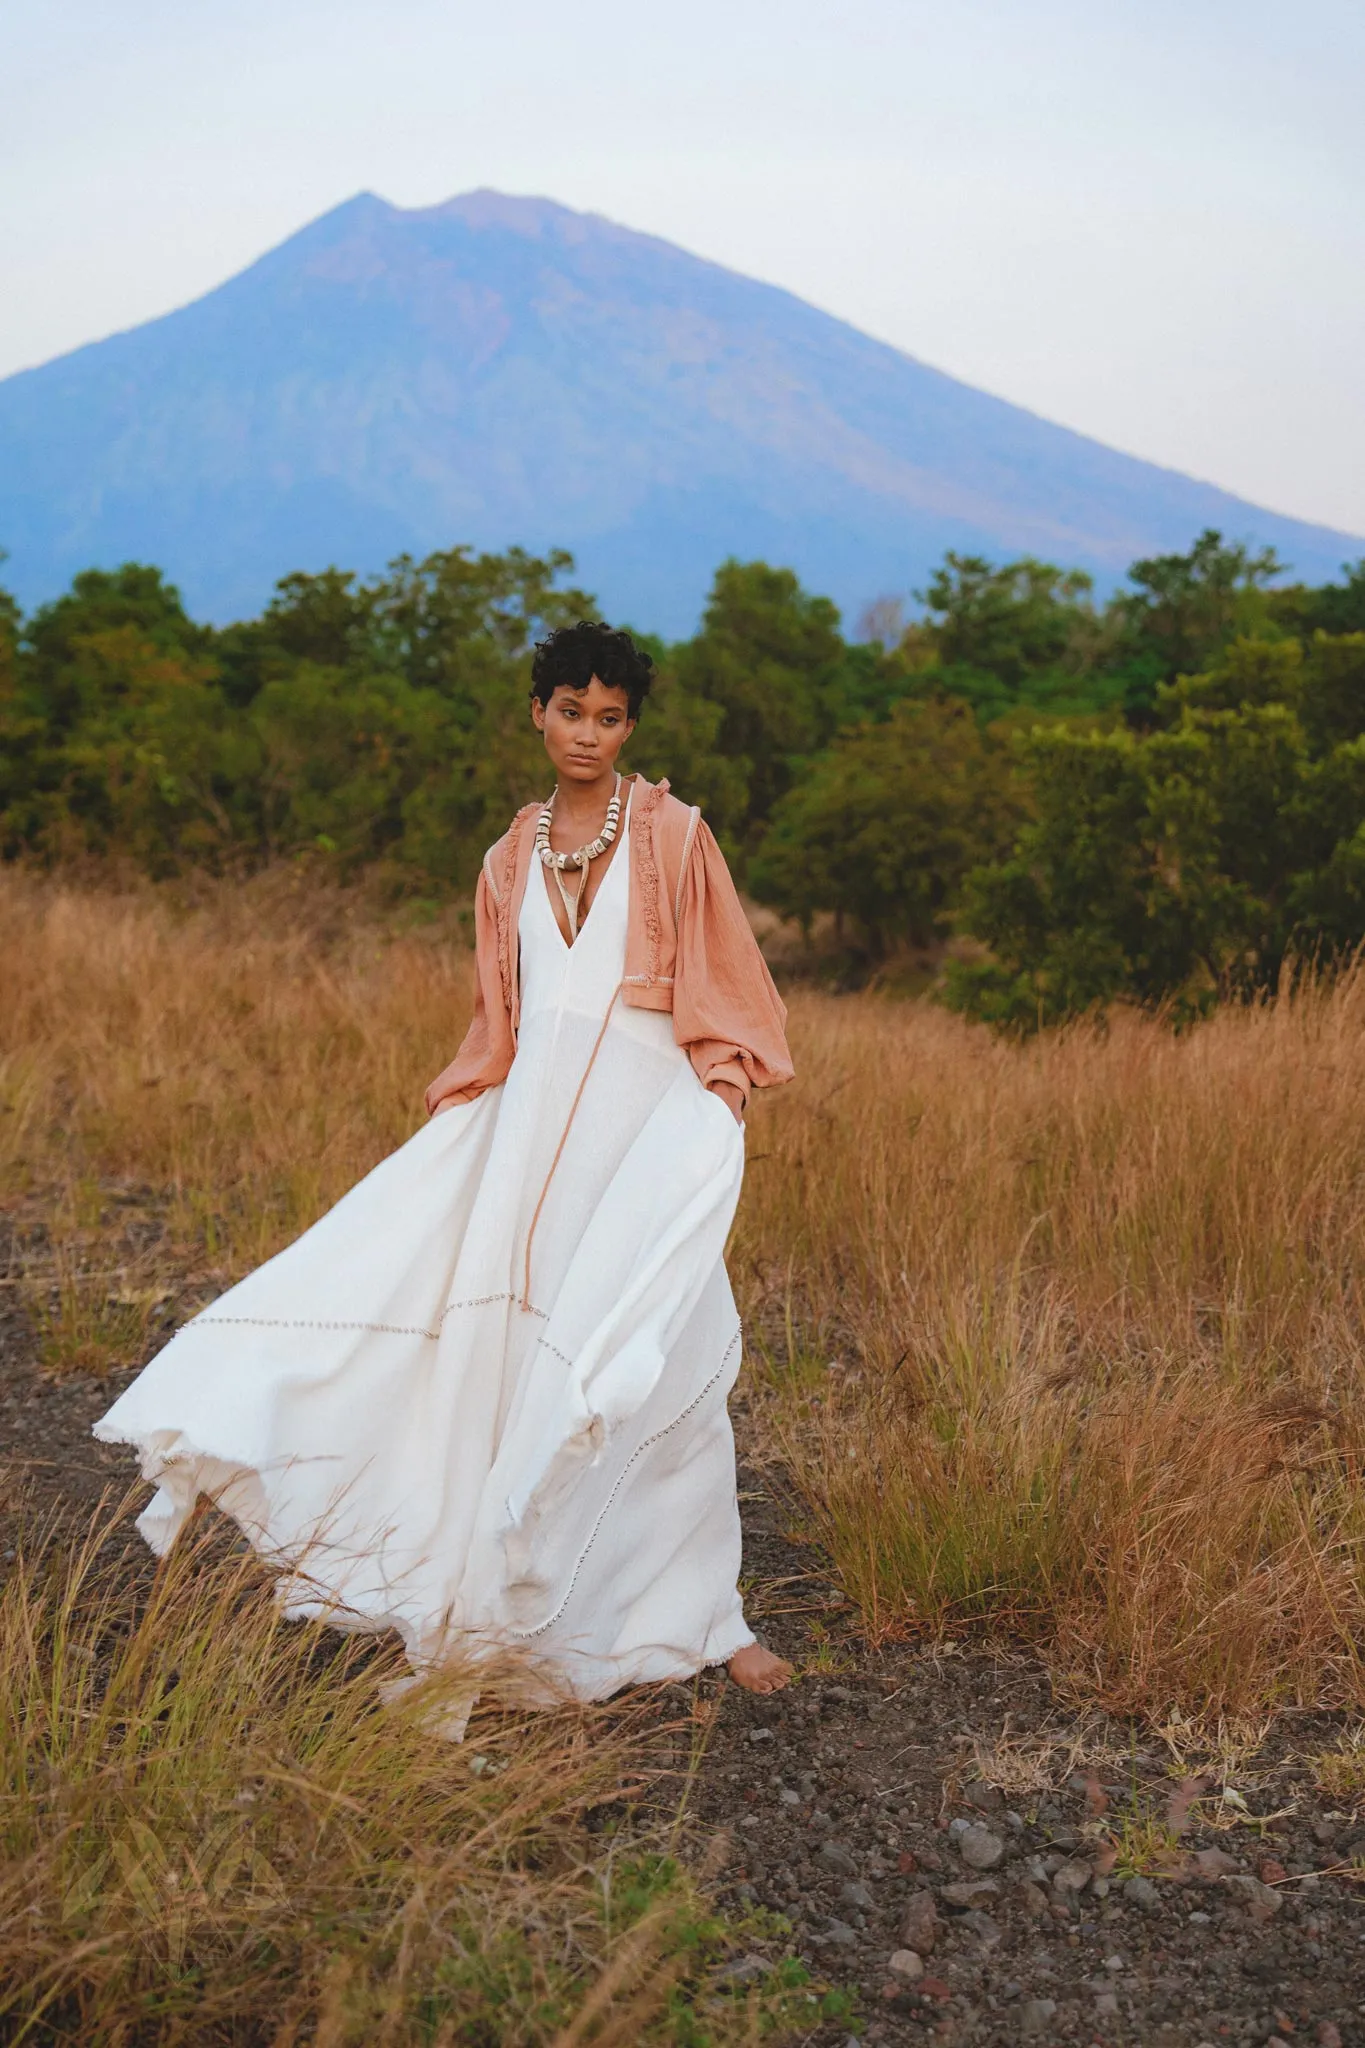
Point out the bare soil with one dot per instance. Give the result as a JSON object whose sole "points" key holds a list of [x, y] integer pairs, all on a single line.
{"points": [[839, 1812]]}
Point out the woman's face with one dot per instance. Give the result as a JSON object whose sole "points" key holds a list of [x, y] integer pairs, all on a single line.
{"points": [[584, 730]]}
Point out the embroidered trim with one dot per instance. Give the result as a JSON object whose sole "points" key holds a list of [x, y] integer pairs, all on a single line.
{"points": [[513, 837], [649, 876], [301, 1323], [486, 1301], [383, 1329], [562, 1356], [527, 1634], [688, 843]]}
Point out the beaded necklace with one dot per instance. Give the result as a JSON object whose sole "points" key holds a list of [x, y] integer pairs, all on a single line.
{"points": [[581, 859]]}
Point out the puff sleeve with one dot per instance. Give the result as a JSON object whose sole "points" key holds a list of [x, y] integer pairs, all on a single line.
{"points": [[727, 1014]]}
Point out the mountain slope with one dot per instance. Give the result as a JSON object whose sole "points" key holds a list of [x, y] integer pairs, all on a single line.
{"points": [[499, 370]]}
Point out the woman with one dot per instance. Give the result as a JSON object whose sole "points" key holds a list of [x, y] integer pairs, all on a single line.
{"points": [[484, 1398]]}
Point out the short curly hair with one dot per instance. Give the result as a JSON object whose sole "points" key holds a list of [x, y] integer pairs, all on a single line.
{"points": [[572, 655]]}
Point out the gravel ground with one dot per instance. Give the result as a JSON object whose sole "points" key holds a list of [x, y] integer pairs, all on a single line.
{"points": [[860, 1829]]}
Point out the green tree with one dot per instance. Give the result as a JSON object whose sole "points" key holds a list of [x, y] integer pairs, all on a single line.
{"points": [[1186, 609], [886, 823], [1190, 861], [771, 657]]}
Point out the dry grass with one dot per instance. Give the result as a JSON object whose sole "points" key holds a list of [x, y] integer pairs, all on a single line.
{"points": [[214, 1833], [1066, 1335], [1070, 1333]]}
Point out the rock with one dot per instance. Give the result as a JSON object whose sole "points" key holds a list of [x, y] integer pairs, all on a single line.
{"points": [[858, 1896], [761, 1735], [839, 1931], [1036, 2014], [935, 1987], [839, 1694], [1325, 1833], [1270, 1870], [1199, 1919], [1142, 1893], [751, 1822], [1261, 1902], [919, 1928], [787, 1797], [1072, 1877], [964, 1895], [1210, 1863], [1033, 1899], [986, 1930], [980, 1849], [1107, 2005], [1329, 2034], [985, 1798], [836, 1857], [906, 1965], [743, 1970]]}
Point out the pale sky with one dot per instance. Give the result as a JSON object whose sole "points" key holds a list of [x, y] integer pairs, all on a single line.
{"points": [[1142, 218]]}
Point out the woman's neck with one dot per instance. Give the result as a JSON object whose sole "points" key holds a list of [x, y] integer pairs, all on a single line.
{"points": [[580, 807]]}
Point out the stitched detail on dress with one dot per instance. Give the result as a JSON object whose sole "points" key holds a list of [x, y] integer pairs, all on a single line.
{"points": [[383, 1329], [526, 1634], [562, 1356], [302, 1323], [486, 1301]]}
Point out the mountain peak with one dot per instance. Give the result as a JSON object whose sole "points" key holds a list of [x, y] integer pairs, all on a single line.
{"points": [[500, 369]]}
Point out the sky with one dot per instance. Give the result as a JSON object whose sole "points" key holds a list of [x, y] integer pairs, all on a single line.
{"points": [[1145, 221]]}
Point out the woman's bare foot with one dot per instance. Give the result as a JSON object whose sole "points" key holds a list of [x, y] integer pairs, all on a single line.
{"points": [[757, 1670]]}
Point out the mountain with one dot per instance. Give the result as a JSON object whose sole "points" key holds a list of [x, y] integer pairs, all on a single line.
{"points": [[498, 370]]}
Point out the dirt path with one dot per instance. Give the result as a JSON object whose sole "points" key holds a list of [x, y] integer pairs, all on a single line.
{"points": [[863, 1836]]}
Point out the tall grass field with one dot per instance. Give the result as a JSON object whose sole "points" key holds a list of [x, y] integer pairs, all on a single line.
{"points": [[1060, 1339]]}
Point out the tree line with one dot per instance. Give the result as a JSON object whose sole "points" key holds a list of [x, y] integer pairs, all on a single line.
{"points": [[1160, 796]]}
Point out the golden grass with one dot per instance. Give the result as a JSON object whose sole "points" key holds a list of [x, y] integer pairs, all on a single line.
{"points": [[1065, 1335], [214, 1833]]}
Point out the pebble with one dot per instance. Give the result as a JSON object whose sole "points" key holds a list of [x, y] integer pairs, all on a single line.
{"points": [[761, 1735], [905, 1963], [840, 1932], [743, 1970], [858, 1896], [1213, 1863], [1072, 1877], [836, 1857], [1037, 2013], [1107, 2004], [788, 1797], [919, 1928], [986, 1930], [1261, 1902], [980, 1849], [967, 1894], [1142, 1893]]}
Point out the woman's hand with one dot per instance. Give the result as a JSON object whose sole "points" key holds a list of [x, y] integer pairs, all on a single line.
{"points": [[732, 1097]]}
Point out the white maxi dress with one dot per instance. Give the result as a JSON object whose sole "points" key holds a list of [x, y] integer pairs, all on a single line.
{"points": [[483, 1399]]}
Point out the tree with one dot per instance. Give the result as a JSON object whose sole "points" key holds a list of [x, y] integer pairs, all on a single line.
{"points": [[772, 658], [1191, 861], [1186, 609], [883, 827]]}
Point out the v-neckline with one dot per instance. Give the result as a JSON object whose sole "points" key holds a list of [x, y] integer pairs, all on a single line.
{"points": [[619, 853]]}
